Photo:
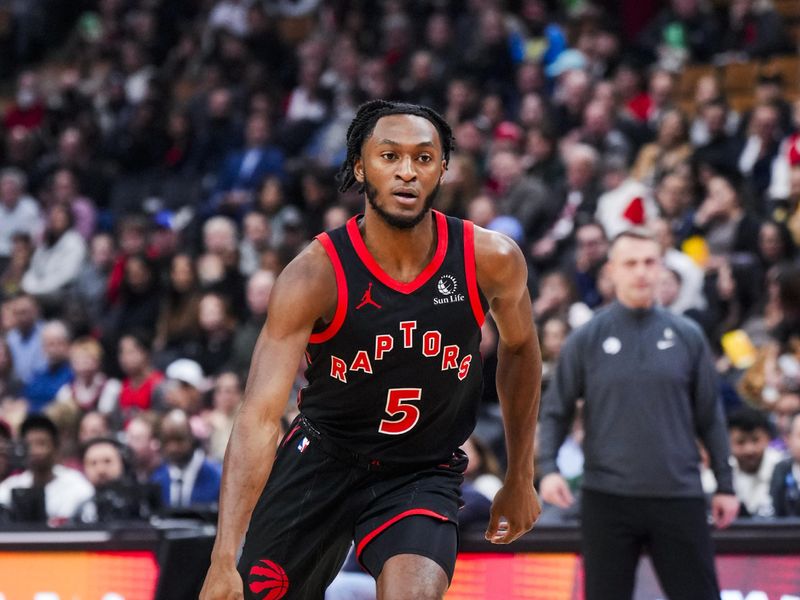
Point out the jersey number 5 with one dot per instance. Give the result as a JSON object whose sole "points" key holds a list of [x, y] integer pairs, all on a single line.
{"points": [[397, 405]]}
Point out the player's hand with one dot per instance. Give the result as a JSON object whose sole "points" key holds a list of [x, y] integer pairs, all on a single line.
{"points": [[555, 490], [223, 582], [514, 511], [724, 509]]}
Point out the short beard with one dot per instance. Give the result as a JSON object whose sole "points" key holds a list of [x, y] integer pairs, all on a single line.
{"points": [[393, 220]]}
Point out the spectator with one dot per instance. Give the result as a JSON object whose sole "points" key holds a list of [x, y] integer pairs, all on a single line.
{"points": [[141, 381], [10, 385], [18, 211], [591, 250], [65, 190], [183, 388], [760, 147], [91, 284], [257, 236], [259, 288], [91, 389], [25, 340], [784, 488], [227, 397], [753, 461], [681, 32], [669, 151], [142, 440], [213, 345], [57, 261], [28, 109], [19, 262], [481, 483], [92, 425], [177, 321], [187, 477], [6, 451], [245, 169], [45, 383], [64, 488], [754, 31]]}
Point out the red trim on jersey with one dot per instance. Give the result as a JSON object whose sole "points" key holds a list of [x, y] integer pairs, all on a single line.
{"points": [[409, 513], [472, 276], [374, 268], [289, 435], [341, 293]]}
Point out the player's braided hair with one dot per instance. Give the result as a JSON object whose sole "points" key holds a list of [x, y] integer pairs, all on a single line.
{"points": [[364, 123]]}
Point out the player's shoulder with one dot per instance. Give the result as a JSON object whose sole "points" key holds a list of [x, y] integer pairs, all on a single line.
{"points": [[309, 278], [498, 260]]}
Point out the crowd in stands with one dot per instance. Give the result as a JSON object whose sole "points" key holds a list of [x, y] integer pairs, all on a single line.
{"points": [[162, 161]]}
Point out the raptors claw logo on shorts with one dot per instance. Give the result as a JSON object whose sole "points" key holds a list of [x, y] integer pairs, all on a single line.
{"points": [[268, 580]]}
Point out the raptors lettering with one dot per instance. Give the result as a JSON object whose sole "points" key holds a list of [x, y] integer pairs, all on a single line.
{"points": [[431, 347]]}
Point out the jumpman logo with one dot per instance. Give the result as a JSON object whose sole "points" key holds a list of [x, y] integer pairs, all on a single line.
{"points": [[367, 298]]}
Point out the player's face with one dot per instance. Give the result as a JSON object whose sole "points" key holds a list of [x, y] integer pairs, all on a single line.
{"points": [[634, 268], [401, 167]]}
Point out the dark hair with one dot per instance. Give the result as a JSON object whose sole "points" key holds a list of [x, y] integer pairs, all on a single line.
{"points": [[96, 441], [749, 420], [39, 422], [363, 124]]}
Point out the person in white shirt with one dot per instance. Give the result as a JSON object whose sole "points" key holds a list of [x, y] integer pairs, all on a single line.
{"points": [[64, 488], [753, 461]]}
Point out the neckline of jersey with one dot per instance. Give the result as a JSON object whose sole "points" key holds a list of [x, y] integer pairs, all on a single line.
{"points": [[373, 267]]}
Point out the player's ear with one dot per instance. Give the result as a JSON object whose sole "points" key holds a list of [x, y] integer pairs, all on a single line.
{"points": [[358, 170], [444, 171]]}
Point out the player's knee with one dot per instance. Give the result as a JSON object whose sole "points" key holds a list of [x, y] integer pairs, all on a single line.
{"points": [[409, 577]]}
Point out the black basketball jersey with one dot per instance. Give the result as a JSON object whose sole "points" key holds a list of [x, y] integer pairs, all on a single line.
{"points": [[397, 374]]}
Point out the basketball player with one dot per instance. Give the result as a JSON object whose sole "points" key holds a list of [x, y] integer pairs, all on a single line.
{"points": [[387, 310]]}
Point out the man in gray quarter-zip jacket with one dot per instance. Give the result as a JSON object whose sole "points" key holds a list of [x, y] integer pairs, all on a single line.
{"points": [[648, 383]]}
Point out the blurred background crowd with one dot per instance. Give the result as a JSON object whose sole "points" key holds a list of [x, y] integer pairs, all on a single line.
{"points": [[162, 160]]}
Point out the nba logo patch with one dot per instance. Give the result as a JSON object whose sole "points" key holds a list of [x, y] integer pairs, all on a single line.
{"points": [[301, 447]]}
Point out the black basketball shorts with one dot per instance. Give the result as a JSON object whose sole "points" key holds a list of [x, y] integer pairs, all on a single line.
{"points": [[315, 506]]}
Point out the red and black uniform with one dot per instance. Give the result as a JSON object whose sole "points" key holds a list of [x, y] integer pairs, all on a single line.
{"points": [[394, 385]]}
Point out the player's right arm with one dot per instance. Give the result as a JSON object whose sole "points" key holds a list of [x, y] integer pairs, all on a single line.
{"points": [[304, 294]]}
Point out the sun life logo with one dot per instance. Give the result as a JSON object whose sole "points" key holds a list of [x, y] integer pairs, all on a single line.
{"points": [[447, 286]]}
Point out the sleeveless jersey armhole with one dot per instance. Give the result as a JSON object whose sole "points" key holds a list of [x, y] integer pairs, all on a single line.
{"points": [[341, 293], [476, 300]]}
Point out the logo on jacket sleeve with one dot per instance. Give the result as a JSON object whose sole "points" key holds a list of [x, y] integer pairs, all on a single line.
{"points": [[447, 286]]}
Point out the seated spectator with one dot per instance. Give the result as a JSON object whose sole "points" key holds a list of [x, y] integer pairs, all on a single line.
{"points": [[591, 249], [19, 261], [139, 301], [141, 381], [57, 261], [753, 30], [753, 461], [213, 346], [6, 451], [670, 149], [187, 477], [177, 322], [785, 484], [10, 385], [227, 399], [25, 339], [45, 383], [183, 388], [91, 284], [142, 440], [481, 483], [256, 237], [760, 147], [93, 424], [91, 389], [722, 220], [115, 496], [557, 298], [65, 191], [782, 413], [244, 169], [553, 332], [19, 212], [259, 288], [64, 489]]}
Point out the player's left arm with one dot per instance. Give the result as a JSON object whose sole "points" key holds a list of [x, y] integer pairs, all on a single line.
{"points": [[503, 276]]}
